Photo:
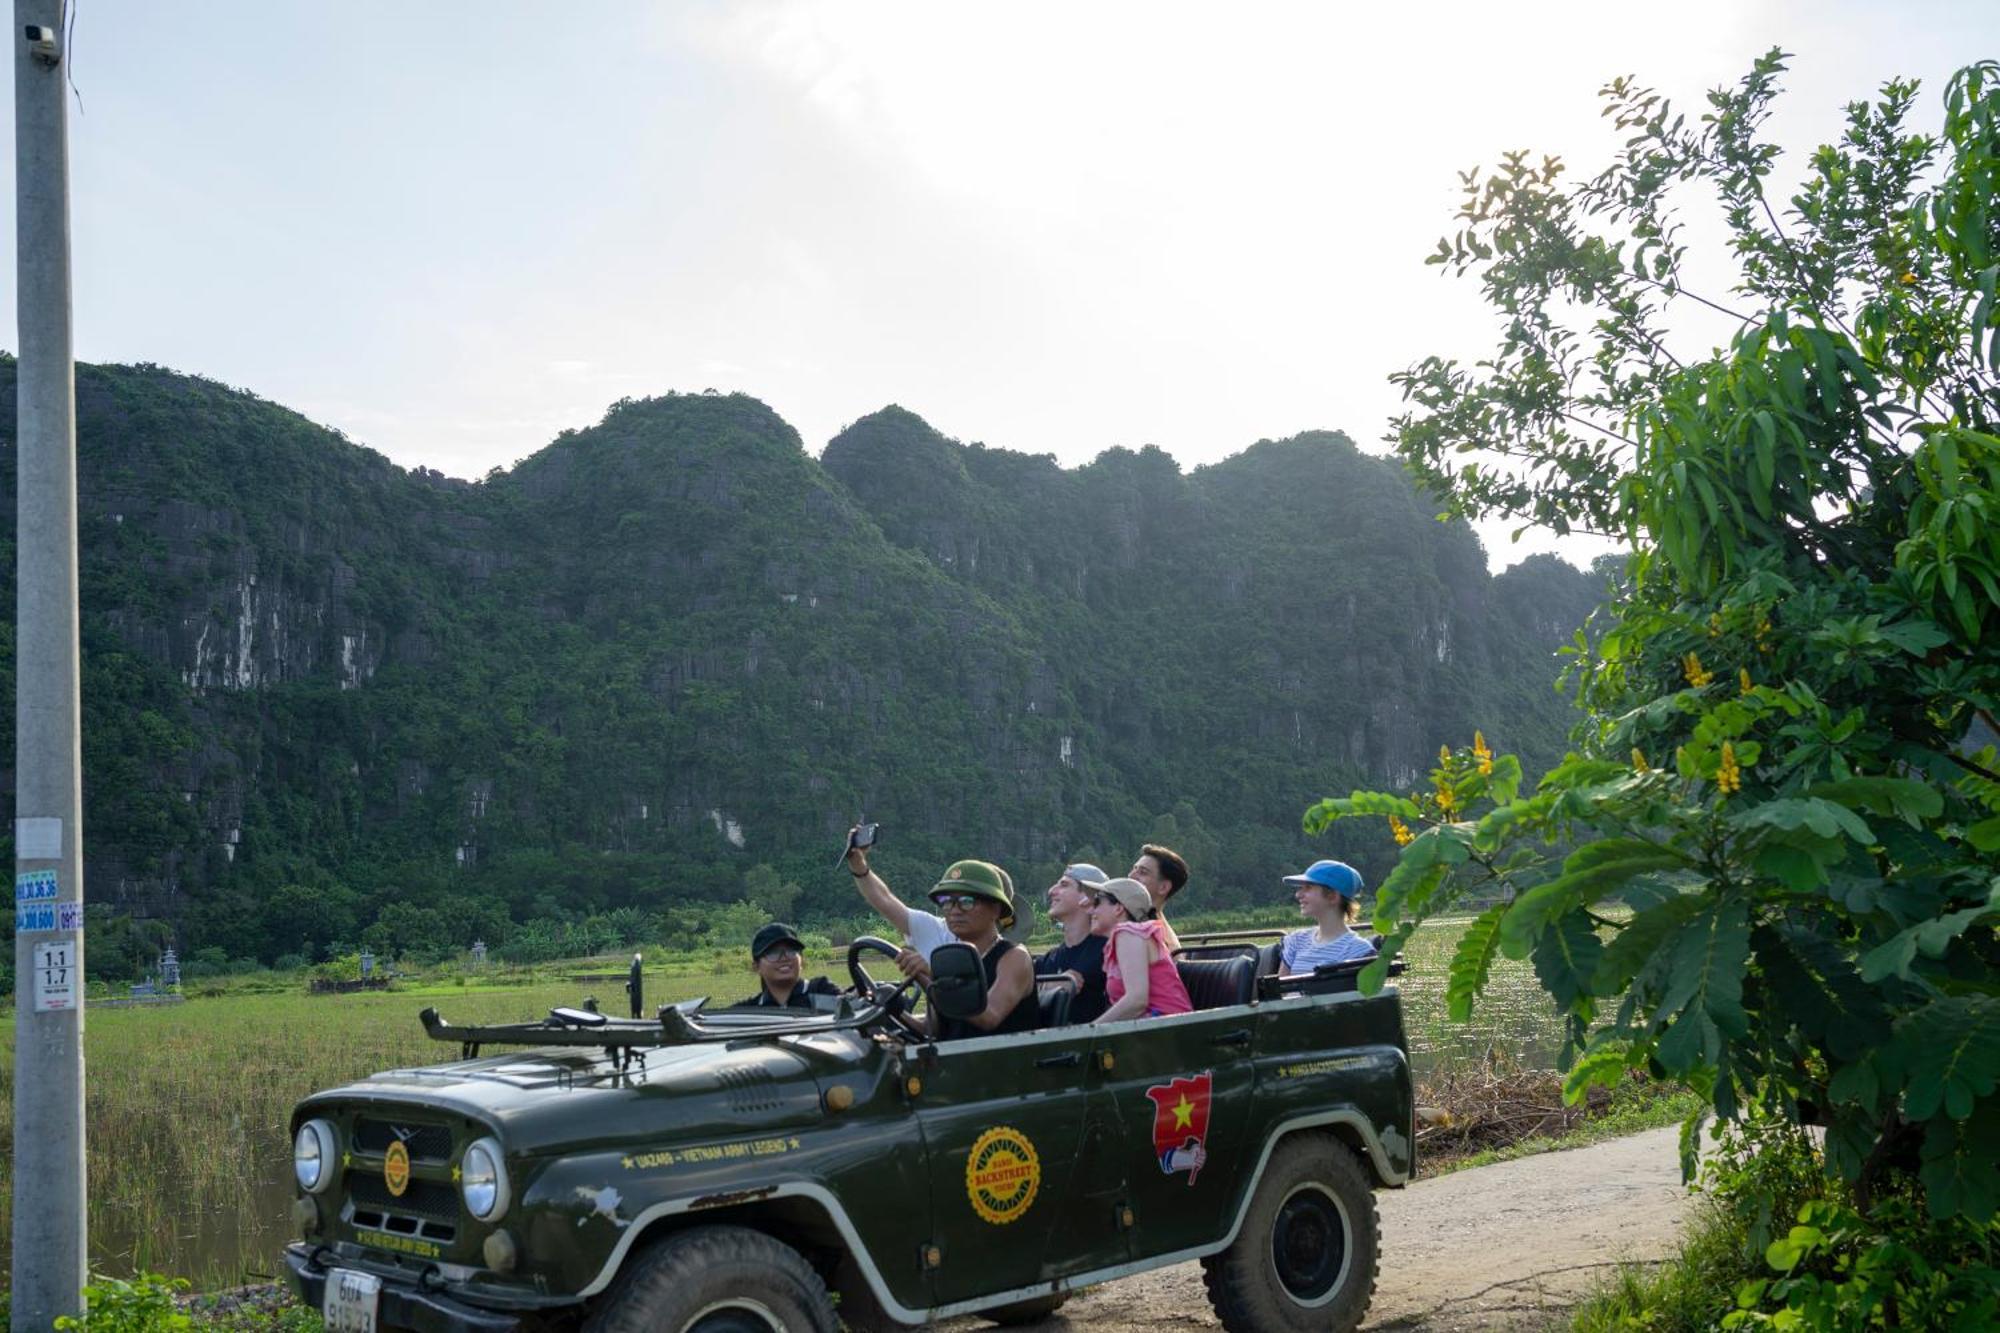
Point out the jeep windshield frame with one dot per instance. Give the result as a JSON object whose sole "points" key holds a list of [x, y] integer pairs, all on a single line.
{"points": [[676, 1025]]}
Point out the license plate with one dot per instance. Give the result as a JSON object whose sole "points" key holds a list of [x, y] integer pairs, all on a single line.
{"points": [[350, 1301]]}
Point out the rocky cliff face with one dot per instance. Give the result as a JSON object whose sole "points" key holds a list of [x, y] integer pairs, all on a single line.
{"points": [[677, 636]]}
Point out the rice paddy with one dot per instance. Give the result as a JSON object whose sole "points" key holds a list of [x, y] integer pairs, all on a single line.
{"points": [[188, 1105]]}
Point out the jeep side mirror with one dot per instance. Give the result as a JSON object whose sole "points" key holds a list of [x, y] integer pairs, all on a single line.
{"points": [[958, 981]]}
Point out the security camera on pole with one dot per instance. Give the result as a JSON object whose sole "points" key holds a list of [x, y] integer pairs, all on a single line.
{"points": [[50, 1232]]}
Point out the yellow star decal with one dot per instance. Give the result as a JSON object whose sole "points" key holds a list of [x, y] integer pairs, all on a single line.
{"points": [[1183, 1113], [455, 1173], [346, 1160]]}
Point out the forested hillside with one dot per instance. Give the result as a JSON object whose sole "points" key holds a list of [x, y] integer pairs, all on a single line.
{"points": [[660, 665]]}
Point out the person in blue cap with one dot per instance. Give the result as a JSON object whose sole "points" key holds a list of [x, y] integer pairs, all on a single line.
{"points": [[1327, 891]]}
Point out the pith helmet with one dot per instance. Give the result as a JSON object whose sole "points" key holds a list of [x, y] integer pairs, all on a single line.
{"points": [[982, 879]]}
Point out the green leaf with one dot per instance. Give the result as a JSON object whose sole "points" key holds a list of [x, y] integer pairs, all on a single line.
{"points": [[1591, 872], [1408, 873], [1821, 994], [1505, 781], [1633, 947], [1915, 637], [1600, 1067], [1930, 938], [1824, 818], [1472, 962], [1960, 1167], [1857, 1083], [1320, 816], [1950, 1050], [1566, 957], [1792, 865], [1907, 799], [1985, 835], [1705, 987]]}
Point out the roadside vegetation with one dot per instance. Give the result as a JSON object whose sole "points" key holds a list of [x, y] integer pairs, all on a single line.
{"points": [[1771, 869]]}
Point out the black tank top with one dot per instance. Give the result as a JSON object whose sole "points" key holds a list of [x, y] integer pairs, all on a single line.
{"points": [[1024, 1018]]}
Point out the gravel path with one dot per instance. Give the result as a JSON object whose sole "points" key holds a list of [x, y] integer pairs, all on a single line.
{"points": [[1509, 1246]]}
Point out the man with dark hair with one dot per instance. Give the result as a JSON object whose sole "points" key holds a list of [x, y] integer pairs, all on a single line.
{"points": [[778, 958], [1164, 874]]}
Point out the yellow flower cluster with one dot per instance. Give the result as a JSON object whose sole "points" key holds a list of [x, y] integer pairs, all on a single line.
{"points": [[1400, 832], [1763, 634], [1639, 764], [1728, 777], [1483, 755], [1697, 675], [1743, 678], [1715, 625]]}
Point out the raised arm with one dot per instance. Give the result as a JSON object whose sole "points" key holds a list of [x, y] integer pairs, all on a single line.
{"points": [[892, 909]]}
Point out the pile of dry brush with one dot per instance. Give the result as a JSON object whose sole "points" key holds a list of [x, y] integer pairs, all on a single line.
{"points": [[1467, 1110]]}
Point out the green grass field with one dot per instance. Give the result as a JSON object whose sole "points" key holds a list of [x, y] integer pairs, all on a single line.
{"points": [[190, 1162]]}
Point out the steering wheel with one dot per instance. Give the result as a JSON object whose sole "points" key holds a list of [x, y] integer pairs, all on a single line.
{"points": [[895, 1000]]}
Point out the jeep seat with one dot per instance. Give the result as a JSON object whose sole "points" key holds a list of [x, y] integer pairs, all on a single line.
{"points": [[1212, 983], [1053, 995]]}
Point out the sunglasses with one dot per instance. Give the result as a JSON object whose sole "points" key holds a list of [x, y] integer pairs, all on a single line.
{"points": [[963, 901], [782, 951]]}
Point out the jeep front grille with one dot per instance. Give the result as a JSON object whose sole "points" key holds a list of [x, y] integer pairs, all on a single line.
{"points": [[432, 1200], [424, 1143]]}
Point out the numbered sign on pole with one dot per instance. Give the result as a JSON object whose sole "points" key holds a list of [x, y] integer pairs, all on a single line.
{"points": [[55, 976]]}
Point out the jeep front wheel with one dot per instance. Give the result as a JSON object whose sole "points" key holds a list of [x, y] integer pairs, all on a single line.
{"points": [[1306, 1256], [716, 1280]]}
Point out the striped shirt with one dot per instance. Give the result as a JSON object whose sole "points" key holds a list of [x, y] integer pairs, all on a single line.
{"points": [[1304, 951]]}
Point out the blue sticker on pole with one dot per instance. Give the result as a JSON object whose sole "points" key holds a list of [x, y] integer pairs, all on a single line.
{"points": [[35, 905]]}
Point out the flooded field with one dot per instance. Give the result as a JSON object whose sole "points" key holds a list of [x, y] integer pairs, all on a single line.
{"points": [[190, 1163]]}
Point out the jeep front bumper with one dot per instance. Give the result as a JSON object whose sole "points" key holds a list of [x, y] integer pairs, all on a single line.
{"points": [[402, 1307]]}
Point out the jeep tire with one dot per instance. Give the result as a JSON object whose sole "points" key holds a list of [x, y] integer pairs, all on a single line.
{"points": [[715, 1280], [1306, 1256]]}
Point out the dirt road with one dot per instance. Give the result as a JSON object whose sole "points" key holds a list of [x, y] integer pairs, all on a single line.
{"points": [[1509, 1246]]}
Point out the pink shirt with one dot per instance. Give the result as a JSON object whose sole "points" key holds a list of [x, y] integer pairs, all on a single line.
{"points": [[1165, 992]]}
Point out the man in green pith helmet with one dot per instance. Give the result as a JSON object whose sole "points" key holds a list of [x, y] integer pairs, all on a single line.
{"points": [[977, 901]]}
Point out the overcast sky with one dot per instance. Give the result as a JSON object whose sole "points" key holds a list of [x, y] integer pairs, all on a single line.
{"points": [[454, 229]]}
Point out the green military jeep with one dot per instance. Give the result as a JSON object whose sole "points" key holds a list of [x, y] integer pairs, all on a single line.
{"points": [[717, 1170]]}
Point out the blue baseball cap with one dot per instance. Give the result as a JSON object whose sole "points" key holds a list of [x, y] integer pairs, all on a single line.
{"points": [[1333, 876]]}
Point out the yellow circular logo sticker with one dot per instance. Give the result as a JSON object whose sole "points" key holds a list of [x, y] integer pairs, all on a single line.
{"points": [[1002, 1175], [396, 1168]]}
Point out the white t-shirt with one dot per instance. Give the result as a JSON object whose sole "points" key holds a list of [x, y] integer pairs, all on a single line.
{"points": [[927, 931], [1303, 951]]}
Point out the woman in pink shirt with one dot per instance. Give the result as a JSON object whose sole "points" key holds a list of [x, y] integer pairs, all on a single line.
{"points": [[1140, 978]]}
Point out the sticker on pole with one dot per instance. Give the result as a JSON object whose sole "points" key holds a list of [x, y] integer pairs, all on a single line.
{"points": [[36, 906], [55, 976], [38, 839]]}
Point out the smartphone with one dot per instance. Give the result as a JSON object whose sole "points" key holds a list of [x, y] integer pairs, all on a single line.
{"points": [[863, 837]]}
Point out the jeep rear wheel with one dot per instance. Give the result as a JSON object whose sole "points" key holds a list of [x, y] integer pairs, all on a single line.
{"points": [[1306, 1256], [716, 1280]]}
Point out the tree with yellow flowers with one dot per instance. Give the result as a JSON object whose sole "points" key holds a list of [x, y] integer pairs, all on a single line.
{"points": [[1791, 906]]}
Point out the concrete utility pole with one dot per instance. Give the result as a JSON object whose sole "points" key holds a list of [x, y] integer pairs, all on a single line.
{"points": [[50, 1233]]}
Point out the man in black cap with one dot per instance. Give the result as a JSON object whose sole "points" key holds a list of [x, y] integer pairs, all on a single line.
{"points": [[777, 957]]}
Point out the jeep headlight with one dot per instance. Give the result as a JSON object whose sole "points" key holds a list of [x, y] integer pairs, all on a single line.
{"points": [[312, 1156], [482, 1179]]}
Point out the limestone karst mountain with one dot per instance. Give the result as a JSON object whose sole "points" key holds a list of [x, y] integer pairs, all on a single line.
{"points": [[323, 692]]}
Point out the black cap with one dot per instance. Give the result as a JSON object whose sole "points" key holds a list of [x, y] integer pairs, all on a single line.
{"points": [[774, 934]]}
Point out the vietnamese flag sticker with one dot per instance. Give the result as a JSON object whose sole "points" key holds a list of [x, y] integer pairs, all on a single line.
{"points": [[1180, 1124]]}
